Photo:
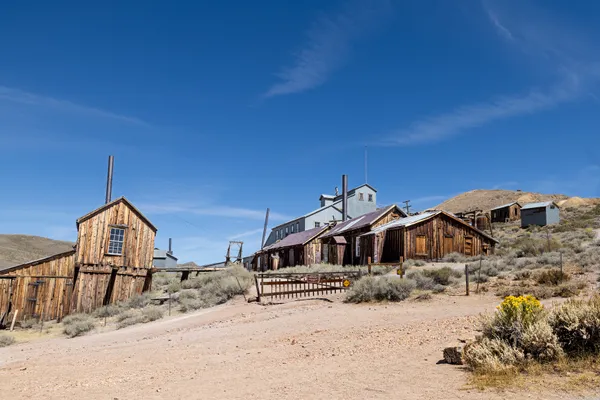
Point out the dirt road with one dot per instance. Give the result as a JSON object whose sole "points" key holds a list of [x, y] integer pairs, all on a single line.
{"points": [[302, 350]]}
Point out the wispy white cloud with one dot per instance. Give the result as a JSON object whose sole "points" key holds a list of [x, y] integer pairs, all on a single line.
{"points": [[215, 211], [443, 126], [19, 96], [254, 232], [539, 38], [329, 45]]}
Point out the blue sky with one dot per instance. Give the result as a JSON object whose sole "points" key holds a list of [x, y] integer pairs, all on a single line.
{"points": [[217, 110]]}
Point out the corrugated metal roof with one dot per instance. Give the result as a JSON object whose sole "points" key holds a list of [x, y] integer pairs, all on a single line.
{"points": [[403, 222], [296, 239], [360, 222], [537, 205], [504, 206]]}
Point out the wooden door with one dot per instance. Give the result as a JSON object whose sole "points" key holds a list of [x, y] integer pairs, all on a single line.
{"points": [[468, 245], [448, 244]]}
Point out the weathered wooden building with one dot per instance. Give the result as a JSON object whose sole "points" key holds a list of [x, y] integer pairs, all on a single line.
{"points": [[302, 248], [111, 261], [429, 236], [507, 212], [341, 245]]}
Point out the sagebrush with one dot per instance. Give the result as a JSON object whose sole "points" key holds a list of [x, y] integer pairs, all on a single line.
{"points": [[78, 324], [370, 288]]}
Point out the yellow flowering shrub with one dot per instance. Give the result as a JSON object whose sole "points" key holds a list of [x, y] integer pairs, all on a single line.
{"points": [[521, 308]]}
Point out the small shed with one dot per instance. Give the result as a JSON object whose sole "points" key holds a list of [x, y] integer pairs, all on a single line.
{"points": [[341, 245], [506, 212], [164, 259], [430, 235], [302, 248], [540, 214]]}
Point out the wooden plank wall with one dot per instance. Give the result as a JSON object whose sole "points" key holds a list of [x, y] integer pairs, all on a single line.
{"points": [[43, 288], [92, 241], [435, 230], [5, 293]]}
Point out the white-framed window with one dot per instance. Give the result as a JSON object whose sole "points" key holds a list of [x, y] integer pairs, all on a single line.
{"points": [[317, 224], [277, 235], [292, 228], [287, 231], [361, 196], [297, 226], [281, 233], [357, 246], [370, 197], [116, 240]]}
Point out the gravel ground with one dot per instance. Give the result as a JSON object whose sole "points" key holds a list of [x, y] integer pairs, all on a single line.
{"points": [[313, 349]]}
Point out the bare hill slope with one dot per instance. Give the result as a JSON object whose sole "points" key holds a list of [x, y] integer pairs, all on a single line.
{"points": [[17, 249], [487, 199]]}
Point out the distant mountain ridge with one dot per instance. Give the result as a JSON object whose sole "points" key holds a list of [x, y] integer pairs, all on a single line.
{"points": [[18, 249], [481, 199]]}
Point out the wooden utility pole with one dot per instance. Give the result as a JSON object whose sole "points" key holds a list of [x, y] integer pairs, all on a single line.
{"points": [[262, 243], [407, 206], [239, 257]]}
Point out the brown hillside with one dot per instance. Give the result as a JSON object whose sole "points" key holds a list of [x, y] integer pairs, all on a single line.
{"points": [[488, 199], [17, 249]]}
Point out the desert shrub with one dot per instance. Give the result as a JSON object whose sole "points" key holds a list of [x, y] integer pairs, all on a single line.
{"points": [[552, 258], [106, 311], [77, 324], [214, 288], [421, 281], [129, 317], [530, 246], [540, 342], [152, 314], [6, 340], [491, 355], [455, 258], [576, 323], [174, 287], [439, 289], [521, 275], [513, 315], [480, 278], [552, 277], [413, 263], [424, 297], [371, 288], [442, 276], [138, 301], [30, 323]]}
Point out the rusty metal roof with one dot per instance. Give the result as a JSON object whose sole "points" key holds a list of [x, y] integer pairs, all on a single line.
{"points": [[362, 221], [297, 239]]}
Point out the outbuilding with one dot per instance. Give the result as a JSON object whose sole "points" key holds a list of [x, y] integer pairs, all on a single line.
{"points": [[540, 214], [428, 236], [506, 212]]}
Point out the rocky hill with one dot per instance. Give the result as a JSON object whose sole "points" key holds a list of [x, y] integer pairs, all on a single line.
{"points": [[17, 249], [488, 199]]}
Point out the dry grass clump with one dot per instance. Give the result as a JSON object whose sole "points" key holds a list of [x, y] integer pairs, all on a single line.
{"points": [[566, 289], [78, 324], [455, 258], [413, 263], [577, 325], [30, 323], [106, 311], [162, 280], [6, 340], [214, 288], [422, 282], [552, 277], [137, 301], [370, 288]]}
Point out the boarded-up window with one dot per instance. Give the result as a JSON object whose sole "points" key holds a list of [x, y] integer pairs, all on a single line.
{"points": [[421, 244], [448, 244], [357, 246], [325, 252]]}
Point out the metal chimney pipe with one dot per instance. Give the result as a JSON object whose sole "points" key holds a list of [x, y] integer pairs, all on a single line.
{"points": [[111, 162], [344, 197], [170, 246], [262, 243]]}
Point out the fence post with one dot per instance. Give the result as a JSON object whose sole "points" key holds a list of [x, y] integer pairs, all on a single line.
{"points": [[467, 278], [257, 288], [369, 265], [561, 268], [401, 267], [479, 273]]}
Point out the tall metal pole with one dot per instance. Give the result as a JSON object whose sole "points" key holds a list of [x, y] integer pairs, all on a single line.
{"points": [[109, 178], [262, 244], [344, 197]]}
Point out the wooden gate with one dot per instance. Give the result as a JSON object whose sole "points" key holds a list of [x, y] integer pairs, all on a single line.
{"points": [[295, 285]]}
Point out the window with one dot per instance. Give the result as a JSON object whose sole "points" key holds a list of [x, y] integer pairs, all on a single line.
{"points": [[115, 244], [421, 245], [297, 226], [292, 228], [357, 246], [281, 233], [317, 224], [286, 231], [361, 196], [277, 235], [370, 197]]}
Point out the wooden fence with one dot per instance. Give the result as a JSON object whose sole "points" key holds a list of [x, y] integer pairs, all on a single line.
{"points": [[296, 285]]}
